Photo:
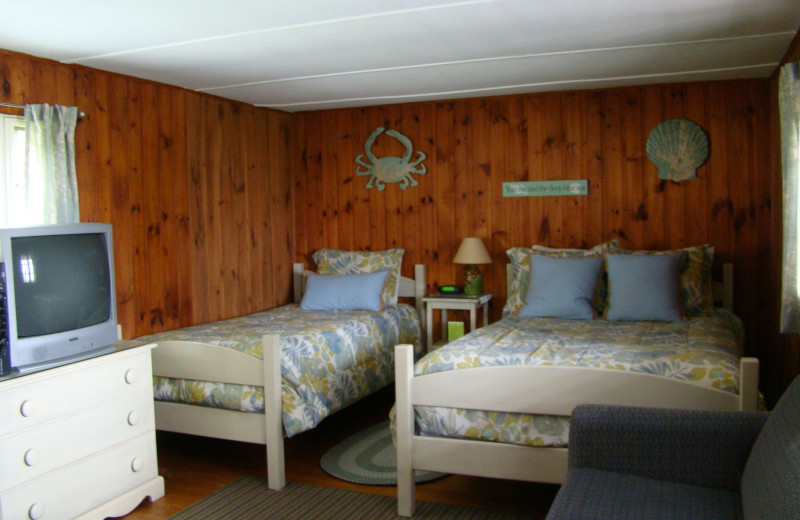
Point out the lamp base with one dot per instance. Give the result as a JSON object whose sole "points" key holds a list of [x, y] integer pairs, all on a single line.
{"points": [[473, 281]]}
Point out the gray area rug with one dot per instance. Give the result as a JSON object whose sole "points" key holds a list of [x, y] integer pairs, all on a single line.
{"points": [[369, 457], [250, 498]]}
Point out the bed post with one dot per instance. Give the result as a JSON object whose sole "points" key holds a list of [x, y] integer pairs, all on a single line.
{"points": [[420, 286], [748, 384], [727, 286], [404, 421], [298, 282], [273, 418]]}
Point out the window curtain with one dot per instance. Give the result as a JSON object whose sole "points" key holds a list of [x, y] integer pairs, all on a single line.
{"points": [[50, 186], [789, 106]]}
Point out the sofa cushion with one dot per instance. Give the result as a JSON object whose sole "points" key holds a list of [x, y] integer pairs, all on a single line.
{"points": [[695, 447], [770, 480], [591, 494]]}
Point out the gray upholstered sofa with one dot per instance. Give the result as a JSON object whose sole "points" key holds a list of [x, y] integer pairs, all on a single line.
{"points": [[640, 463]]}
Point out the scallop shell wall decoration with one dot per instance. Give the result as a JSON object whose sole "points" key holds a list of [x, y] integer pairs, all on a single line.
{"points": [[678, 147]]}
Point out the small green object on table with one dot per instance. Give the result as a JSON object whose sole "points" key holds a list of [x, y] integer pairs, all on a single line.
{"points": [[455, 330]]}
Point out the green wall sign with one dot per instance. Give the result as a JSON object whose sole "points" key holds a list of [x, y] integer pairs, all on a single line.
{"points": [[545, 188]]}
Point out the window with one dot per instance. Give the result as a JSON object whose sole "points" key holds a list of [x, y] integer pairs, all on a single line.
{"points": [[12, 170], [38, 181]]}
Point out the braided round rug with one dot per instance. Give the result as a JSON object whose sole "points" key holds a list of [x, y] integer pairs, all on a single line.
{"points": [[369, 457]]}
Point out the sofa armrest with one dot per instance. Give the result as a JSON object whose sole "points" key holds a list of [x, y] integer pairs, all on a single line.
{"points": [[702, 448]]}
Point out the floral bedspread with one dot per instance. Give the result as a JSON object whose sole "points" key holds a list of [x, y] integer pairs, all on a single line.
{"points": [[703, 350], [329, 359]]}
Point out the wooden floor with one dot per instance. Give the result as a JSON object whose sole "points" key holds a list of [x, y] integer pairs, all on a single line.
{"points": [[194, 467]]}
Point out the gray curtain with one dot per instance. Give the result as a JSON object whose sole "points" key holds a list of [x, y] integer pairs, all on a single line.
{"points": [[789, 105], [51, 184]]}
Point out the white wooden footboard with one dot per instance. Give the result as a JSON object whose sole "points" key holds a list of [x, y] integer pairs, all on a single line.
{"points": [[205, 362], [528, 389]]}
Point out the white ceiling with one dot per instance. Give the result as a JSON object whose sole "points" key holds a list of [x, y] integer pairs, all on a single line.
{"points": [[297, 55]]}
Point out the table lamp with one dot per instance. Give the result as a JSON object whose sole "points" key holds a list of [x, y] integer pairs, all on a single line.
{"points": [[472, 252]]}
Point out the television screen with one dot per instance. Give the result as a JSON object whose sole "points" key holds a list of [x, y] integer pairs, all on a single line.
{"points": [[62, 282]]}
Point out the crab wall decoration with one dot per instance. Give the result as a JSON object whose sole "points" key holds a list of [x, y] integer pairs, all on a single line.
{"points": [[390, 168]]}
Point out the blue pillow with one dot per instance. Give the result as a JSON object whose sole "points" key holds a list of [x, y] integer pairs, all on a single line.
{"points": [[561, 287], [644, 287], [344, 292]]}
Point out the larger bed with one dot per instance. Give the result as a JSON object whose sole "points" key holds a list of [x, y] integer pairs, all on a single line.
{"points": [[280, 372], [516, 382]]}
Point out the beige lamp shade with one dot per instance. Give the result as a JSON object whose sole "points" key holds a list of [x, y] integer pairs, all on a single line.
{"points": [[472, 251]]}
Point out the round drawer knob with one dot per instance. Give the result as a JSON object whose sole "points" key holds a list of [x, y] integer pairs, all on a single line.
{"points": [[36, 511], [31, 457], [130, 376], [27, 408], [133, 418], [136, 464]]}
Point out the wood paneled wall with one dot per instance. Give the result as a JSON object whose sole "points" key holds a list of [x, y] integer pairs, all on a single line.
{"points": [[197, 188], [212, 199], [474, 145]]}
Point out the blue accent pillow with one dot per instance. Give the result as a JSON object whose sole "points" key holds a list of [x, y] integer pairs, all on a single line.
{"points": [[644, 287], [562, 287], [344, 292]]}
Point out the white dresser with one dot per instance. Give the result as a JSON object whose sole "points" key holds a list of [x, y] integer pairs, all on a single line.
{"points": [[78, 441]]}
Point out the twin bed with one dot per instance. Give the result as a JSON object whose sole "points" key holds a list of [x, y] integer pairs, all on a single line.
{"points": [[260, 377], [496, 403]]}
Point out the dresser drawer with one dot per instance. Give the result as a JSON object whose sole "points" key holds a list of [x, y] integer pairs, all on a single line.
{"points": [[73, 490], [37, 398], [34, 452]]}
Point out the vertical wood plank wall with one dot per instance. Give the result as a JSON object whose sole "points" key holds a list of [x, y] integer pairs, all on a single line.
{"points": [[474, 145], [197, 188], [212, 199]]}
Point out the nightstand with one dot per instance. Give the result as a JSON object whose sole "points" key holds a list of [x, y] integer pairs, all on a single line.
{"points": [[454, 302]]}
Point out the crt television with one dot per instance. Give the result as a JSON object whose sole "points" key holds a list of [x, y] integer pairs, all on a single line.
{"points": [[57, 292]]}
